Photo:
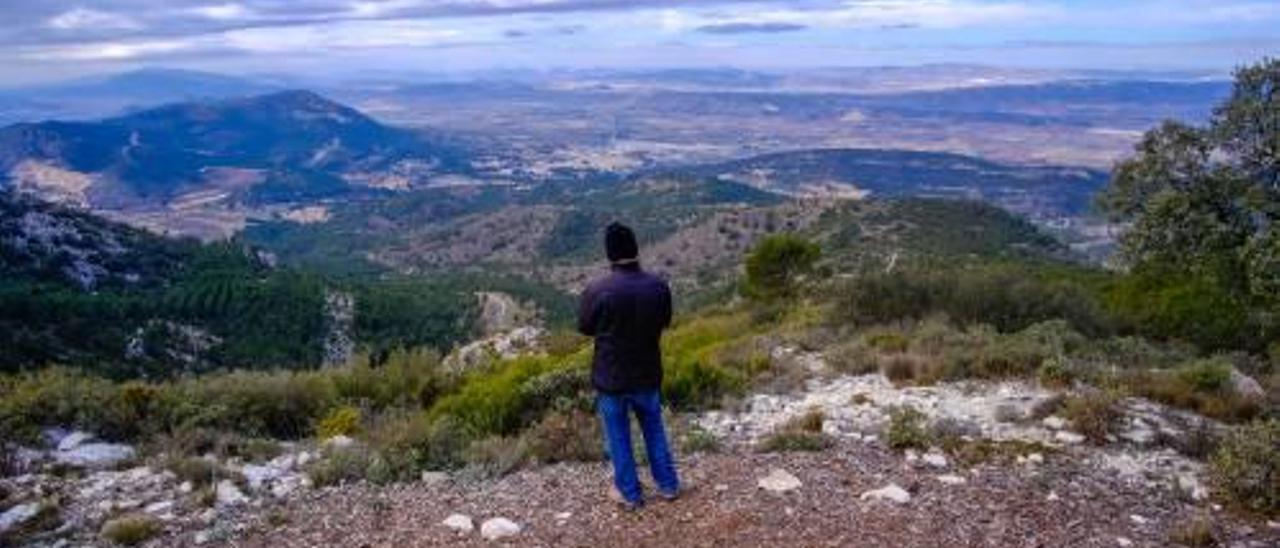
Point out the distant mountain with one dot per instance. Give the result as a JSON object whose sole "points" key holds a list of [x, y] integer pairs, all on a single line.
{"points": [[280, 147], [1025, 189], [115, 94]]}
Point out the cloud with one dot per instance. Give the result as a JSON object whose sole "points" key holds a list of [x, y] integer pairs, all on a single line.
{"points": [[87, 19], [749, 28], [223, 12]]}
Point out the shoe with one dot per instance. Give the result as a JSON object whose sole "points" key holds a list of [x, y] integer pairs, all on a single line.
{"points": [[623, 503], [669, 496]]}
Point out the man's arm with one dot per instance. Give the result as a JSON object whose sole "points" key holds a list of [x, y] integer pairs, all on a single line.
{"points": [[587, 313], [666, 305]]}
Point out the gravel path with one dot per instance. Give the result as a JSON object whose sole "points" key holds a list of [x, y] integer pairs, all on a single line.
{"points": [[1057, 503]]}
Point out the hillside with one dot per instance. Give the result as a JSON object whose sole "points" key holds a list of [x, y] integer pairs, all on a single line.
{"points": [[82, 291], [1036, 191], [278, 148]]}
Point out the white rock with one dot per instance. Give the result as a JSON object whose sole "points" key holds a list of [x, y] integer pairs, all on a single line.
{"points": [[186, 487], [1053, 496], [1070, 438], [891, 493], [1123, 542], [911, 455], [499, 528], [339, 442], [258, 476], [459, 522], [779, 481], [1137, 520], [1054, 423], [951, 479], [159, 507], [1035, 458], [18, 515], [203, 537], [1273, 524], [1245, 386], [433, 478], [95, 455], [74, 440], [564, 515], [936, 460], [229, 495]]}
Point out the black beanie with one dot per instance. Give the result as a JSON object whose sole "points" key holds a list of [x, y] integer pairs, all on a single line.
{"points": [[620, 243]]}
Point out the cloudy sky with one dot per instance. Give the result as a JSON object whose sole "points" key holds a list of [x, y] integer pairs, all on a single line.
{"points": [[50, 39]]}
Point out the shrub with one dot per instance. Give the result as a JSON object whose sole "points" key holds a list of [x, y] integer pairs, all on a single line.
{"points": [[1197, 532], [341, 421], [341, 465], [411, 442], [131, 530], [1209, 375], [784, 440], [497, 456], [1055, 372], [698, 440], [886, 340], [1092, 414], [851, 358], [573, 436], [407, 378], [494, 402], [1246, 468], [905, 369], [907, 429], [776, 264], [197, 470]]}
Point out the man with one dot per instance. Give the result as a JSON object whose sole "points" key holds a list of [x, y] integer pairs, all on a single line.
{"points": [[626, 311]]}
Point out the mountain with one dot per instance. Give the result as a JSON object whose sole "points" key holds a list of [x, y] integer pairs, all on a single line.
{"points": [[1037, 191], [280, 147], [115, 94]]}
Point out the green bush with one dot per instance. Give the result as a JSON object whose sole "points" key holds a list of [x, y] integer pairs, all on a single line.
{"points": [[341, 465], [776, 264], [801, 433], [497, 456], [573, 436], [1246, 468], [495, 402], [131, 530], [410, 443], [907, 429], [1055, 372], [1093, 414], [341, 421], [1210, 375]]}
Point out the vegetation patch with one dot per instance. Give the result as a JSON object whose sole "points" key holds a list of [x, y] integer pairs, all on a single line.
{"points": [[907, 429], [131, 530], [1246, 468]]}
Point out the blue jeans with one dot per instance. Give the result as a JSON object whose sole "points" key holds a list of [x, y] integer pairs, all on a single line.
{"points": [[615, 412]]}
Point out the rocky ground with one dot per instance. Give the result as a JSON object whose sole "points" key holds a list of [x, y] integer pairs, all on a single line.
{"points": [[1028, 480], [754, 499]]}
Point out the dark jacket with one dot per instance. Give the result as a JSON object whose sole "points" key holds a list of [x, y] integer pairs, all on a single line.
{"points": [[626, 312]]}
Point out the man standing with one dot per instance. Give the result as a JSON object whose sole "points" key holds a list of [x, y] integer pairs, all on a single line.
{"points": [[626, 311]]}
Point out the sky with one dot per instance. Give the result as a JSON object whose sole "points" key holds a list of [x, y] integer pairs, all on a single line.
{"points": [[42, 40]]}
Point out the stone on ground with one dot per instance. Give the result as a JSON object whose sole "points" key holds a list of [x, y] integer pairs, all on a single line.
{"points": [[95, 455], [17, 516], [779, 481], [459, 522], [229, 495], [891, 493], [499, 528], [951, 479]]}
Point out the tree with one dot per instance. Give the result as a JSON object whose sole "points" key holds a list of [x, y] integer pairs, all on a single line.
{"points": [[775, 265], [1202, 206]]}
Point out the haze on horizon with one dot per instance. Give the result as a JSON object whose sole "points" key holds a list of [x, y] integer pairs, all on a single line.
{"points": [[43, 40]]}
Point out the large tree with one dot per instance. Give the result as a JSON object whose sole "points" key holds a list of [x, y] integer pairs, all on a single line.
{"points": [[1202, 207]]}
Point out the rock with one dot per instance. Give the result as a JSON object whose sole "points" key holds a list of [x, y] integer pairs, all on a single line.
{"points": [[258, 476], [1123, 542], [779, 481], [1069, 438], [460, 523], [499, 528], [951, 479], [228, 494], [1137, 520], [74, 440], [159, 507], [936, 460], [339, 442], [203, 537], [564, 516], [1053, 496], [1192, 486], [1245, 386], [186, 487], [1054, 423], [891, 493], [95, 455], [17, 516], [1035, 458], [433, 478]]}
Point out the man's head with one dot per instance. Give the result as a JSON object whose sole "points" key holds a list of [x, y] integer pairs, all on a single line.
{"points": [[620, 244]]}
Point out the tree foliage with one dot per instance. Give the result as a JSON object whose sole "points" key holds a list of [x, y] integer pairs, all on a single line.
{"points": [[776, 264], [1202, 206]]}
